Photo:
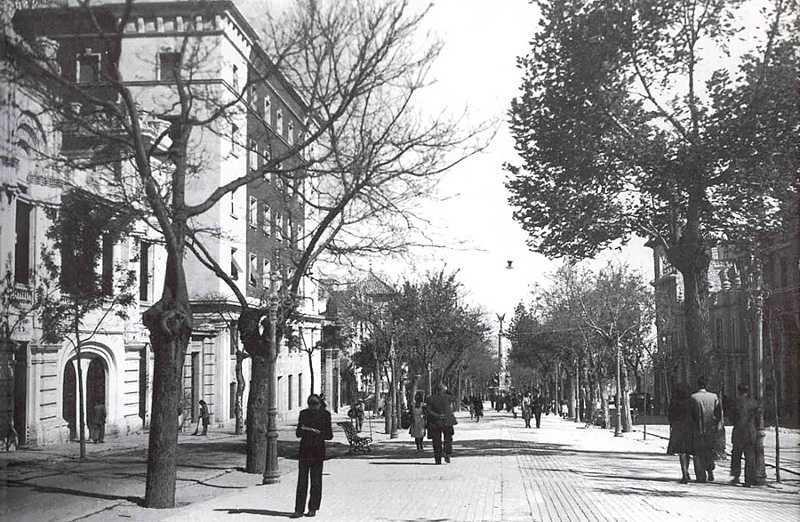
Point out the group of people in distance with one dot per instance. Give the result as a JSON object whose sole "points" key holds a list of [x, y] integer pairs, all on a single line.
{"points": [[475, 406], [697, 431]]}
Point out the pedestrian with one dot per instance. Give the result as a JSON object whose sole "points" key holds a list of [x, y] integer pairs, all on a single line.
{"points": [[440, 421], [359, 415], [204, 418], [313, 429], [514, 404], [527, 409], [706, 420], [467, 401], [537, 403], [323, 401], [745, 418], [477, 405], [417, 429], [99, 423], [181, 418], [680, 428], [564, 410]]}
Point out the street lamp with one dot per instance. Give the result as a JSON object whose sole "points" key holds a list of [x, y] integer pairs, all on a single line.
{"points": [[271, 474], [501, 380]]}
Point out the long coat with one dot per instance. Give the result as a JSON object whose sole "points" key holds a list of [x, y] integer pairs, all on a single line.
{"points": [[706, 418], [312, 446], [744, 416]]}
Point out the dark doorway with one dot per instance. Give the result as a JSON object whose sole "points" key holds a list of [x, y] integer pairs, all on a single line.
{"points": [[196, 383], [95, 385], [21, 392], [69, 398], [335, 398]]}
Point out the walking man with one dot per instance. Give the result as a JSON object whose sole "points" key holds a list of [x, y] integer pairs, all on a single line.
{"points": [[745, 418], [536, 405], [313, 429], [706, 418], [440, 424]]}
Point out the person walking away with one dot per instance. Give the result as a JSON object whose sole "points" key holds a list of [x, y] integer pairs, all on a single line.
{"points": [[359, 415], [526, 409], [470, 406], [313, 429], [417, 429], [514, 404], [477, 404], [99, 423], [204, 418], [706, 418], [536, 406], [440, 424], [564, 410], [680, 426], [745, 418]]}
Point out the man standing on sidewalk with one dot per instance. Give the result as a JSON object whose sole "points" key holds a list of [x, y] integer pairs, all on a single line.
{"points": [[536, 405], [313, 429], [706, 418], [744, 416]]}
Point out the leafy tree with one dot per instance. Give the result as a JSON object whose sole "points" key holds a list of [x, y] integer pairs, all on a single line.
{"points": [[83, 231], [621, 134]]}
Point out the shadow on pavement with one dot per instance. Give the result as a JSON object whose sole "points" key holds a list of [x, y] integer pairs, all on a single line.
{"points": [[139, 501], [263, 512]]}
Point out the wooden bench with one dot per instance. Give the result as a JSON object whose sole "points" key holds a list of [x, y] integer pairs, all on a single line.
{"points": [[357, 442]]}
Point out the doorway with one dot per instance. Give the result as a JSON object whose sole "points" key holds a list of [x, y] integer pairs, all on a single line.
{"points": [[69, 400], [95, 386], [21, 393]]}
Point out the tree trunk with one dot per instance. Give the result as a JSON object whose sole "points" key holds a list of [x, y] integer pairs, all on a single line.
{"points": [[627, 417], [311, 374], [81, 399], [388, 409], [377, 379], [240, 386], [257, 415], [170, 324]]}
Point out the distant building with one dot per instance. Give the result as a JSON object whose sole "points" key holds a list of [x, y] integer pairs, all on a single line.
{"points": [[731, 325]]}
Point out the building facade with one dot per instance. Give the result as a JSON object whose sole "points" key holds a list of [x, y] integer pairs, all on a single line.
{"points": [[252, 233]]}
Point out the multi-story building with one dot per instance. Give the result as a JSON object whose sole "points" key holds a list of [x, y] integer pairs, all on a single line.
{"points": [[732, 301], [252, 232]]}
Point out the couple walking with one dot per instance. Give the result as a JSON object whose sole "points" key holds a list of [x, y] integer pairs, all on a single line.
{"points": [[697, 431]]}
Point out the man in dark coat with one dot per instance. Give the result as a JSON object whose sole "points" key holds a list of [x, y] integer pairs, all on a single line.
{"points": [[440, 424], [745, 418], [205, 418], [536, 406], [99, 422], [313, 429], [706, 417]]}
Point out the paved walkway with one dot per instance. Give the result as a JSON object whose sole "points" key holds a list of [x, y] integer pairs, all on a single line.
{"points": [[502, 471]]}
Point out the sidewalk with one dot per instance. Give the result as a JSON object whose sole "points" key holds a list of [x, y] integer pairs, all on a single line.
{"points": [[52, 483], [502, 471]]}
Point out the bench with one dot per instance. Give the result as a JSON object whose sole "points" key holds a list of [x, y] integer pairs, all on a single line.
{"points": [[357, 442]]}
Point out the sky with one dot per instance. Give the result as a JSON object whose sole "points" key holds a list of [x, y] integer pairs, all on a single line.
{"points": [[477, 70]]}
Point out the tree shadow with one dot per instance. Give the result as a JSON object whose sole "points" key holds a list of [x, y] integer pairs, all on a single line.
{"points": [[139, 501], [263, 512]]}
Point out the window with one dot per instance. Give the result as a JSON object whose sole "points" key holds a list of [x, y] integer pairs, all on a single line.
{"points": [[234, 138], [233, 203], [266, 224], [252, 96], [252, 214], [266, 157], [718, 325], [265, 275], [783, 272], [22, 254], [289, 394], [235, 268], [88, 67], [145, 270], [279, 227], [235, 78], [279, 122], [290, 137], [253, 276], [268, 109], [169, 66], [252, 155], [234, 332], [107, 267]]}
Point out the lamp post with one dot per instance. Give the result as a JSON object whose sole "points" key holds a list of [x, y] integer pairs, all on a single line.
{"points": [[617, 427], [271, 474], [501, 378]]}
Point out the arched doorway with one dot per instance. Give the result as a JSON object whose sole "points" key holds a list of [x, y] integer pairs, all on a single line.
{"points": [[70, 400]]}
